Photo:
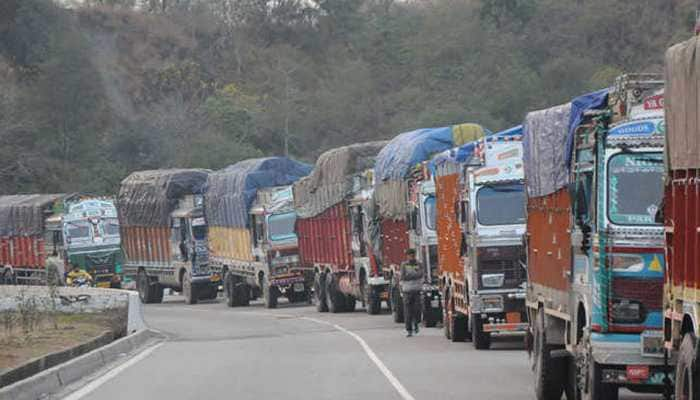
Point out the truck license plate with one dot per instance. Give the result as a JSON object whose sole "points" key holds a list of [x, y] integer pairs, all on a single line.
{"points": [[637, 373], [434, 303], [298, 287]]}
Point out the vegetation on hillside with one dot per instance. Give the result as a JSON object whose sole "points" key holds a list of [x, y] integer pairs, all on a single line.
{"points": [[91, 93]]}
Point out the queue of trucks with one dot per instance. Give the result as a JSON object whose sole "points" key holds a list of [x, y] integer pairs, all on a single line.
{"points": [[577, 230]]}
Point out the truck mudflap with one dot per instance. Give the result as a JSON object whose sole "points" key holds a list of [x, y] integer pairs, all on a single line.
{"points": [[623, 361], [505, 327]]}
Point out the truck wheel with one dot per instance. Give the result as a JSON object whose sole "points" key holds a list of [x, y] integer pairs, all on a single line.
{"points": [[350, 303], [189, 290], [336, 301], [458, 327], [143, 286], [589, 375], [320, 292], [241, 292], [270, 294], [373, 302], [157, 293], [430, 318], [229, 290], [687, 385], [549, 372], [396, 305], [481, 339]]}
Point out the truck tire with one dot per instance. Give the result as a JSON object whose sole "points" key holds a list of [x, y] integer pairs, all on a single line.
{"points": [[687, 385], [336, 301], [143, 286], [373, 302], [350, 303], [430, 316], [480, 339], [396, 305], [458, 327], [320, 292], [9, 278], [210, 293], [189, 291], [549, 372], [157, 292], [270, 294], [229, 290]]}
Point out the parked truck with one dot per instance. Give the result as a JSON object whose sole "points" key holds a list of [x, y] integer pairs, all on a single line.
{"points": [[252, 236], [90, 231], [334, 228], [681, 212], [31, 243], [480, 224], [403, 197], [593, 173], [164, 234]]}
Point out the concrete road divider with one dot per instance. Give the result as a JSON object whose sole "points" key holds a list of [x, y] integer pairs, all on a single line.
{"points": [[44, 384]]}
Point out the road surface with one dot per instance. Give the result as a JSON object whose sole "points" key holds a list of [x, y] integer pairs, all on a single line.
{"points": [[293, 352]]}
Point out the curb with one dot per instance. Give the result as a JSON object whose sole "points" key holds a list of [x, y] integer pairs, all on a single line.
{"points": [[51, 381], [37, 365]]}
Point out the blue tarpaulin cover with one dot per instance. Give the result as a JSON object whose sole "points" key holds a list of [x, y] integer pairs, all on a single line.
{"points": [[230, 192], [579, 106], [406, 151], [465, 152]]}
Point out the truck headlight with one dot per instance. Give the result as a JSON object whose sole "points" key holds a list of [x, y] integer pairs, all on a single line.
{"points": [[492, 280]]}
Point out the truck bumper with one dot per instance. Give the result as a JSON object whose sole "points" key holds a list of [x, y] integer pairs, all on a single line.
{"points": [[377, 281], [621, 353], [287, 280], [505, 327], [202, 280]]}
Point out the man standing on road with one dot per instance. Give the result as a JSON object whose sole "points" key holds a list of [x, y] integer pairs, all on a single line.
{"points": [[411, 280]]}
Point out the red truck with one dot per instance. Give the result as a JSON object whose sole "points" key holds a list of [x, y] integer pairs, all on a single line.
{"points": [[681, 215], [30, 237], [333, 229]]}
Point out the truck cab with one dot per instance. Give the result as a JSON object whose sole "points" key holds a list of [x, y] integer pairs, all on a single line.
{"points": [[276, 248], [617, 244], [493, 223], [90, 232], [423, 238]]}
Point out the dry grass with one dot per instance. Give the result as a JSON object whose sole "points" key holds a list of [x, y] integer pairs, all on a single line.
{"points": [[49, 335]]}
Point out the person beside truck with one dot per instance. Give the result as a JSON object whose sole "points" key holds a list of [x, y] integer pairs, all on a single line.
{"points": [[411, 279]]}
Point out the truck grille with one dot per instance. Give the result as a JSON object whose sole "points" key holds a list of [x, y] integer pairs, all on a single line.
{"points": [[635, 296], [514, 273]]}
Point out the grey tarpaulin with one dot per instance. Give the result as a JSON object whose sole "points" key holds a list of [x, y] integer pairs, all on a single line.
{"points": [[23, 215], [545, 135], [231, 191], [681, 103], [146, 198], [332, 178]]}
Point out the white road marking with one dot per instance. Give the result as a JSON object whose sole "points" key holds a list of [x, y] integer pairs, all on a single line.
{"points": [[403, 392], [90, 387]]}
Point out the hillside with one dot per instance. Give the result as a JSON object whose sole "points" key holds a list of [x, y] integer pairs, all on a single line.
{"points": [[89, 94]]}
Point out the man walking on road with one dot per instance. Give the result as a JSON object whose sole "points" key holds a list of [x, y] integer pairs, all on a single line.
{"points": [[411, 280]]}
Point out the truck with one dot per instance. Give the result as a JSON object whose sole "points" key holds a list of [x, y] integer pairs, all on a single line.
{"points": [[595, 253], [164, 234], [480, 225], [252, 235], [403, 198], [335, 226], [680, 217], [31, 242], [90, 231]]}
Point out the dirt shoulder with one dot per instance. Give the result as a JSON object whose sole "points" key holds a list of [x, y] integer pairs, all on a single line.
{"points": [[23, 340]]}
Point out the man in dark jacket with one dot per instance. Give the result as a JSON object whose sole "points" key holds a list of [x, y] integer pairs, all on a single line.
{"points": [[411, 280]]}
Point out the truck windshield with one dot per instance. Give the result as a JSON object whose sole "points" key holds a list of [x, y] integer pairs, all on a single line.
{"points": [[78, 231], [199, 232], [111, 227], [281, 226], [430, 213], [635, 188], [501, 204]]}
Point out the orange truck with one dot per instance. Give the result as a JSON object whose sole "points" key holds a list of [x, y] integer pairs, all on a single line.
{"points": [[480, 227]]}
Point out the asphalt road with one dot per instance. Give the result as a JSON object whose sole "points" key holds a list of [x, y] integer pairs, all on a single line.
{"points": [[293, 352]]}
